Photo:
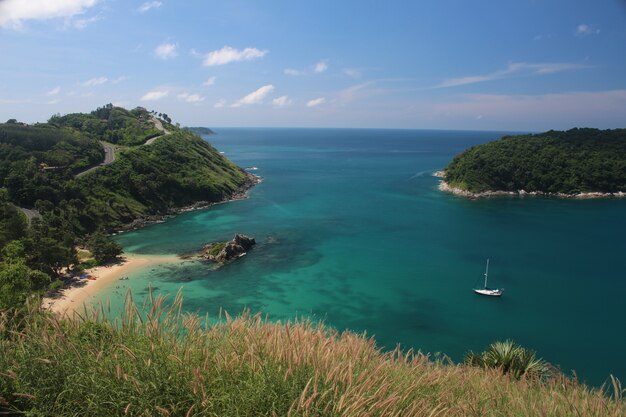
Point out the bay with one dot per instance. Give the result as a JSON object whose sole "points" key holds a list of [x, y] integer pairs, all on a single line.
{"points": [[352, 230]]}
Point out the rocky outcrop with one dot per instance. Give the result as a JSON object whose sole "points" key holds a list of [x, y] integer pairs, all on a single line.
{"points": [[222, 252]]}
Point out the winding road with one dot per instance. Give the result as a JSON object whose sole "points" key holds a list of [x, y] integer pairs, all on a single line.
{"points": [[109, 148], [109, 157], [29, 213]]}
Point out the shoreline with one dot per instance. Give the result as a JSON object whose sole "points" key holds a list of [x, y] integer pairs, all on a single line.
{"points": [[240, 193], [70, 299], [447, 188]]}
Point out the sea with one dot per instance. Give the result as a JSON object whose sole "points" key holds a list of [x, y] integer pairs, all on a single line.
{"points": [[352, 230]]}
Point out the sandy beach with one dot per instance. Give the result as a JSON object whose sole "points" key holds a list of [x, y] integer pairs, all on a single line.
{"points": [[73, 298]]}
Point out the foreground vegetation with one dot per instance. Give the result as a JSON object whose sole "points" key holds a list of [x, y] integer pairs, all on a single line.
{"points": [[166, 363], [38, 171], [576, 161]]}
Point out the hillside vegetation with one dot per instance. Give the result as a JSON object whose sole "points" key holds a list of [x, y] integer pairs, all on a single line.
{"points": [[38, 169], [164, 363], [571, 162]]}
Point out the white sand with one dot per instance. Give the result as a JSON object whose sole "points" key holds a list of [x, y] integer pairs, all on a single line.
{"points": [[74, 298]]}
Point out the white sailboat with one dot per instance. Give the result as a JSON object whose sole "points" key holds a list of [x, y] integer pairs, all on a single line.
{"points": [[497, 292]]}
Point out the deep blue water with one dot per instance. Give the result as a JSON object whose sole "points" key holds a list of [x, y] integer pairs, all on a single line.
{"points": [[351, 229]]}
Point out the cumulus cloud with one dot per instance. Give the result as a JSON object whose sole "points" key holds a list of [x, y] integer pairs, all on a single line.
{"points": [[14, 12], [321, 66], [166, 50], [95, 81], [190, 98], [316, 102], [220, 104], [154, 95], [282, 101], [54, 91], [209, 82], [511, 69], [254, 97], [228, 54], [586, 29], [149, 5]]}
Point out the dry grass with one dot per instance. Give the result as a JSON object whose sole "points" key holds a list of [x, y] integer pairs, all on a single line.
{"points": [[164, 362]]}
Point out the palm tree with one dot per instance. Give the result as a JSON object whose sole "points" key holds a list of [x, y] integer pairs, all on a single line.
{"points": [[511, 359]]}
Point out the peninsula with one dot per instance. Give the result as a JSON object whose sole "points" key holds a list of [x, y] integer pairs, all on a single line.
{"points": [[70, 181], [578, 163]]}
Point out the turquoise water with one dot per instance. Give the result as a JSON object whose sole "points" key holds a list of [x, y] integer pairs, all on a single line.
{"points": [[351, 229]]}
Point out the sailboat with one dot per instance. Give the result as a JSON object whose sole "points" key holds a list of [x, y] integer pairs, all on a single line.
{"points": [[489, 291]]}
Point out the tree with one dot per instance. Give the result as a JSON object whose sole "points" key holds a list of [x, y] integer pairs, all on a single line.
{"points": [[17, 280], [103, 248]]}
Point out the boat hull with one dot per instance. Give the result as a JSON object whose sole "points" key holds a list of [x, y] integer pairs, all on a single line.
{"points": [[488, 292]]}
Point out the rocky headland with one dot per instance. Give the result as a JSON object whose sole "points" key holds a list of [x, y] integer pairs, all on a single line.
{"points": [[223, 252]]}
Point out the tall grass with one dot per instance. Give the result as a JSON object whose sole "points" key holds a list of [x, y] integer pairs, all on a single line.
{"points": [[163, 362]]}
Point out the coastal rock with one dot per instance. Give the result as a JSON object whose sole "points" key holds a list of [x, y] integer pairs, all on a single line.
{"points": [[222, 252], [445, 187]]}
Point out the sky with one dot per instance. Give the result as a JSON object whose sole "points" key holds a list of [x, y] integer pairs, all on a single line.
{"points": [[526, 65]]}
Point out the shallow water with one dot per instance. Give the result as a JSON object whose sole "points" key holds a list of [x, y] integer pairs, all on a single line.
{"points": [[351, 229]]}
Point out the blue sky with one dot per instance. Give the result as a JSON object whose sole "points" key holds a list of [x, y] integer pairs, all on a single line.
{"points": [[493, 65]]}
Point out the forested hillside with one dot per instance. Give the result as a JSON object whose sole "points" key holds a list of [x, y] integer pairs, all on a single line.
{"points": [[571, 162], [38, 170]]}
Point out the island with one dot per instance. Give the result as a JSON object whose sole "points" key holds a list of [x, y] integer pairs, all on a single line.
{"points": [[200, 130], [578, 163], [223, 252]]}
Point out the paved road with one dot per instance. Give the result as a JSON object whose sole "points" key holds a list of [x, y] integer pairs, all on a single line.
{"points": [[109, 157], [29, 213], [158, 125], [109, 148]]}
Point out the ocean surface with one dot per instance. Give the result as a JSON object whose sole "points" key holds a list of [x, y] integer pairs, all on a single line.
{"points": [[352, 230]]}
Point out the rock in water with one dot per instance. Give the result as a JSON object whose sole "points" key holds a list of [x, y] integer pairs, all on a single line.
{"points": [[222, 252]]}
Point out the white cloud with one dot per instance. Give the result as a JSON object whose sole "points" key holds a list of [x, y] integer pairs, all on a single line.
{"points": [[95, 81], [54, 101], [190, 98], [166, 50], [512, 68], [14, 12], [282, 101], [228, 54], [149, 5], [292, 72], [120, 79], [220, 104], [83, 23], [209, 82], [585, 29], [54, 91], [154, 95], [316, 102], [254, 97], [352, 72], [321, 66]]}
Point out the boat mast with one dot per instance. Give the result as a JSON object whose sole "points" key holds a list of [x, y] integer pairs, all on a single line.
{"points": [[486, 272]]}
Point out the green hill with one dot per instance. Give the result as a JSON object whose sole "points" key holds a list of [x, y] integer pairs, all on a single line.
{"points": [[46, 166], [571, 162], [164, 363]]}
